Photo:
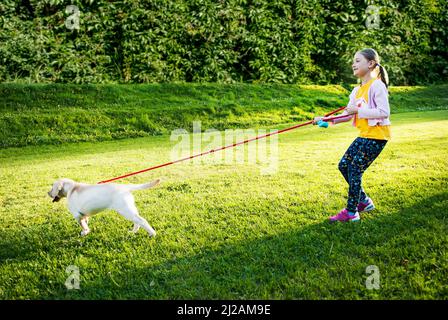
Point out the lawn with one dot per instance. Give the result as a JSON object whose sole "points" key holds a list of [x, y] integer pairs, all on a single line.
{"points": [[43, 114], [228, 231]]}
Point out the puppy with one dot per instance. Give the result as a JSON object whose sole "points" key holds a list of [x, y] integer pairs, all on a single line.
{"points": [[84, 200]]}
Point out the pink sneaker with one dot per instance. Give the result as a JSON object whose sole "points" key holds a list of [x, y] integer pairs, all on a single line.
{"points": [[343, 216], [366, 206]]}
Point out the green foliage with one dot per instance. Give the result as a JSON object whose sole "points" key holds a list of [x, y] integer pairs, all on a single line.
{"points": [[302, 41]]}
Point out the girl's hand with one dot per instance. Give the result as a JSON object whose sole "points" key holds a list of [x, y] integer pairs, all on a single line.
{"points": [[351, 109], [316, 120]]}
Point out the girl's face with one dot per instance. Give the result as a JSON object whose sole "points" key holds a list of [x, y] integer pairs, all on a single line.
{"points": [[361, 66]]}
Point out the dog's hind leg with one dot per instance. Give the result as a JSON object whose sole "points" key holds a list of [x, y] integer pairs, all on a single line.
{"points": [[136, 228], [141, 222], [130, 212]]}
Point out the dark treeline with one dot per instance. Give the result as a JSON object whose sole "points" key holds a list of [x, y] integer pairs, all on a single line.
{"points": [[304, 41]]}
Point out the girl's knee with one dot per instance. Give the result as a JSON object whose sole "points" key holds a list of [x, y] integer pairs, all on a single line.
{"points": [[342, 166]]}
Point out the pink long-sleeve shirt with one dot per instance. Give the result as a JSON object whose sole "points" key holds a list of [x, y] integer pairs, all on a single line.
{"points": [[376, 110]]}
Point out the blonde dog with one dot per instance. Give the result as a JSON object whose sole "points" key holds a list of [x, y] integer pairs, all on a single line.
{"points": [[85, 200]]}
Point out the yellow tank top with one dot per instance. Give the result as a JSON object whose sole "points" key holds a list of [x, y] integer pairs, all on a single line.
{"points": [[366, 131]]}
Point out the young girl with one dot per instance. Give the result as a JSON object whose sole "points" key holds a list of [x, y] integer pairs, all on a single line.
{"points": [[369, 108]]}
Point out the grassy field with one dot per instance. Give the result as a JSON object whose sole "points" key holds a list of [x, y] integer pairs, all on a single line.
{"points": [[56, 114], [226, 231]]}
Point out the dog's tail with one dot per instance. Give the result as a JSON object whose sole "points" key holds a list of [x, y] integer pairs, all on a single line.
{"points": [[132, 187]]}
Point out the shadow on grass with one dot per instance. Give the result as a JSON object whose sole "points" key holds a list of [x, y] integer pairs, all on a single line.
{"points": [[22, 242], [316, 261]]}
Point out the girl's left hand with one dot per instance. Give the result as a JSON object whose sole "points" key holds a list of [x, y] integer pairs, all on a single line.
{"points": [[316, 120], [351, 109]]}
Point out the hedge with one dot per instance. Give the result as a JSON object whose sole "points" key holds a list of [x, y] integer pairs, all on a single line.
{"points": [[304, 41]]}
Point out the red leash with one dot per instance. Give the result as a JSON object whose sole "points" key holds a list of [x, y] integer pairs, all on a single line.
{"points": [[225, 147]]}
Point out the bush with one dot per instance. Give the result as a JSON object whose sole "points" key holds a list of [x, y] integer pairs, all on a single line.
{"points": [[303, 41]]}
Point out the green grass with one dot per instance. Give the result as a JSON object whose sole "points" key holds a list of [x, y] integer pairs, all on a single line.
{"points": [[55, 113], [227, 231]]}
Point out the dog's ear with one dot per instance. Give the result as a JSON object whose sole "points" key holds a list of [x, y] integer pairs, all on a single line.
{"points": [[60, 187]]}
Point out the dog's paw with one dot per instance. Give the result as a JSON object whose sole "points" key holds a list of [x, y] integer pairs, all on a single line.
{"points": [[85, 232]]}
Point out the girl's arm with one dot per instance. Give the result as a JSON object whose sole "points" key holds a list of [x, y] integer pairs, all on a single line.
{"points": [[343, 119], [349, 116], [382, 103]]}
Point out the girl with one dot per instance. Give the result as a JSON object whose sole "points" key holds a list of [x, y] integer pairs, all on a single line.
{"points": [[369, 108]]}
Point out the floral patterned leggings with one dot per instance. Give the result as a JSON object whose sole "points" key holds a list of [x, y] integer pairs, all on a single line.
{"points": [[354, 162]]}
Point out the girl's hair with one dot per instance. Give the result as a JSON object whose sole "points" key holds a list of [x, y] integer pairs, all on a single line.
{"points": [[370, 54]]}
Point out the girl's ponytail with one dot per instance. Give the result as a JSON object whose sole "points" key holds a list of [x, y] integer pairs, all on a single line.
{"points": [[383, 75]]}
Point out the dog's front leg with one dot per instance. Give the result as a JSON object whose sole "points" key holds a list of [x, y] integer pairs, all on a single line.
{"points": [[83, 223]]}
